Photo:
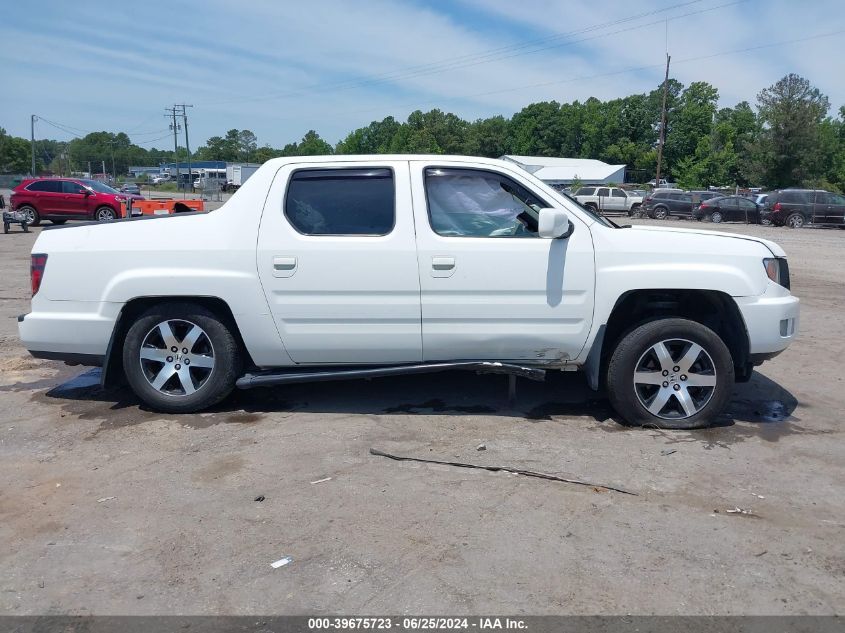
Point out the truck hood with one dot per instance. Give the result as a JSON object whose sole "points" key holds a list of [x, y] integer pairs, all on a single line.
{"points": [[776, 250]]}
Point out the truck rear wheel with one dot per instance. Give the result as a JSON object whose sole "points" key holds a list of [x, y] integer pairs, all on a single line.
{"points": [[670, 373], [181, 358]]}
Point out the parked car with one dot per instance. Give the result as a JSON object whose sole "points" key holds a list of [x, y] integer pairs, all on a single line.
{"points": [[663, 203], [63, 199], [663, 184], [161, 179], [130, 187], [797, 207], [728, 209], [323, 268], [609, 200]]}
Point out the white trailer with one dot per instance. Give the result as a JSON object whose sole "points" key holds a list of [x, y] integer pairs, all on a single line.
{"points": [[237, 174]]}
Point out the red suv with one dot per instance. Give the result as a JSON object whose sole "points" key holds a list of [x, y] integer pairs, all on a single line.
{"points": [[63, 199]]}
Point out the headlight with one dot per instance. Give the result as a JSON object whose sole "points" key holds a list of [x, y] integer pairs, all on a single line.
{"points": [[777, 270]]}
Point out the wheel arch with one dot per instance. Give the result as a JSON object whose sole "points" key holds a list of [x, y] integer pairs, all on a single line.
{"points": [[112, 372], [712, 308]]}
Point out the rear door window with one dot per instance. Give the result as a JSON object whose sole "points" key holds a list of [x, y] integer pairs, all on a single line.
{"points": [[603, 192], [46, 186], [586, 191], [618, 193], [341, 201]]}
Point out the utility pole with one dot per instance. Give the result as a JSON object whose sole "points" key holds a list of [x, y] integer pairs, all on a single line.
{"points": [[32, 120], [89, 169], [662, 124], [175, 128], [184, 107]]}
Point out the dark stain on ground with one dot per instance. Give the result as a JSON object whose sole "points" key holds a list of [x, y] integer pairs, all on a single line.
{"points": [[598, 409], [244, 418], [438, 406]]}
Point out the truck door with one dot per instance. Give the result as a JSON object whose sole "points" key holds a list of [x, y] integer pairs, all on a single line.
{"points": [[604, 197], [337, 259], [491, 287], [618, 201], [74, 202]]}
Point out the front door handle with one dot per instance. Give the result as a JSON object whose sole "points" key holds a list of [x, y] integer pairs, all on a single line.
{"points": [[284, 266], [443, 266]]}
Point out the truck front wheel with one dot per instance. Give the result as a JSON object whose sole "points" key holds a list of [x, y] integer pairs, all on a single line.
{"points": [[670, 373], [180, 358]]}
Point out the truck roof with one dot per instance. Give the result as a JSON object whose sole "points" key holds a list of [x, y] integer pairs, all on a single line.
{"points": [[350, 158]]}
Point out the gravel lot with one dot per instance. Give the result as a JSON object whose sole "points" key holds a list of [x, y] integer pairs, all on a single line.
{"points": [[108, 508]]}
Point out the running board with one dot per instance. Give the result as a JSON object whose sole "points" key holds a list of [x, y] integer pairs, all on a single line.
{"points": [[277, 377]]}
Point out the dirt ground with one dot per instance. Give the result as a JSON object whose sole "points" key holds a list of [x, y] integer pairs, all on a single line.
{"points": [[109, 508]]}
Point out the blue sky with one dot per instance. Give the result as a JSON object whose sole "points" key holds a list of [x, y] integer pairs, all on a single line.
{"points": [[281, 68]]}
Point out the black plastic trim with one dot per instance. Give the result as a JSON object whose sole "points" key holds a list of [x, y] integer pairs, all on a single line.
{"points": [[91, 360]]}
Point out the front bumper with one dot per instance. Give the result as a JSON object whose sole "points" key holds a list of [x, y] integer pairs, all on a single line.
{"points": [[771, 320]]}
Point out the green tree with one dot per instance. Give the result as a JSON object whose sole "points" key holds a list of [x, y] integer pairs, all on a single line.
{"points": [[791, 112], [15, 154], [487, 137]]}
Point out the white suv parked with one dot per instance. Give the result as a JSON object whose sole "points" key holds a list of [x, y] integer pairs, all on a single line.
{"points": [[609, 199], [337, 267]]}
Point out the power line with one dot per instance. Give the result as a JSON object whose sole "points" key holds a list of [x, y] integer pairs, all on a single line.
{"points": [[610, 73], [485, 57]]}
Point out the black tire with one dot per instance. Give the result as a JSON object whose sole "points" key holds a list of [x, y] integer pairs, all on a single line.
{"points": [[795, 220], [660, 213], [716, 217], [105, 214], [30, 212], [636, 211], [591, 205], [5, 227], [629, 400], [210, 389], [59, 222]]}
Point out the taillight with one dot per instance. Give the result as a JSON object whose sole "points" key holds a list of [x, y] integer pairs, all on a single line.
{"points": [[776, 207], [36, 271]]}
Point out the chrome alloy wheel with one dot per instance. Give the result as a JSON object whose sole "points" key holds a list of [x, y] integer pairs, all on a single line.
{"points": [[177, 357], [675, 379], [105, 214]]}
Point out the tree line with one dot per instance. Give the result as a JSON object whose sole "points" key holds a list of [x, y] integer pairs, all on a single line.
{"points": [[788, 139]]}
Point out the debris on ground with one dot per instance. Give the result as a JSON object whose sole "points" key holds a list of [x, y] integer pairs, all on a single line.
{"points": [[104, 499], [320, 481], [260, 498], [765, 551], [481, 447], [669, 451], [507, 469], [743, 511], [281, 562]]}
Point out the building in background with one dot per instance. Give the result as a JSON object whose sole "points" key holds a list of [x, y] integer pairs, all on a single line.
{"points": [[562, 172]]}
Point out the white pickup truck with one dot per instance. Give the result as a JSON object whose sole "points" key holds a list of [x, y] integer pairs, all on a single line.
{"points": [[609, 199], [323, 268]]}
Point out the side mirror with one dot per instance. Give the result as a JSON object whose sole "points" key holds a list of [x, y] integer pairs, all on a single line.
{"points": [[87, 192], [553, 223]]}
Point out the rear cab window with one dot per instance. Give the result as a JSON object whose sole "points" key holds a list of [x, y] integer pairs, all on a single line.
{"points": [[586, 191], [341, 201]]}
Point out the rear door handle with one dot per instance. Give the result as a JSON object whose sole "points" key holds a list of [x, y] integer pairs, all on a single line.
{"points": [[443, 266], [284, 266]]}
